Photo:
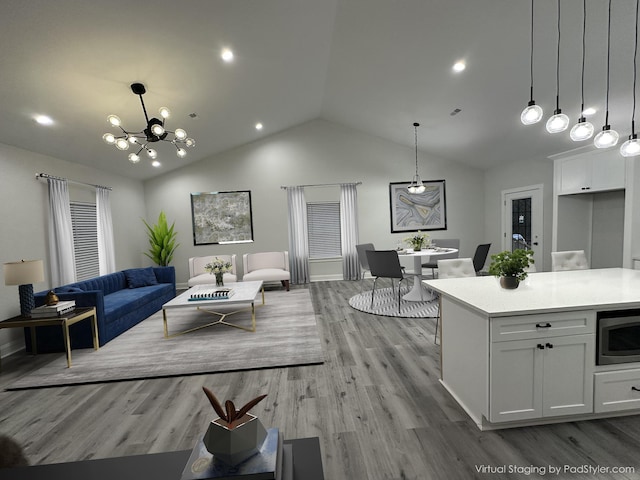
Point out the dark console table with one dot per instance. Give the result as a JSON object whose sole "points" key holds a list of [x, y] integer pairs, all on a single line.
{"points": [[307, 465]]}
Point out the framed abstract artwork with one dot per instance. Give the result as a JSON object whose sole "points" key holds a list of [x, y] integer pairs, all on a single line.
{"points": [[411, 212], [221, 217]]}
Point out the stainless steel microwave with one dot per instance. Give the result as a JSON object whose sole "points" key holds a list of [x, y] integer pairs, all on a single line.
{"points": [[618, 339]]}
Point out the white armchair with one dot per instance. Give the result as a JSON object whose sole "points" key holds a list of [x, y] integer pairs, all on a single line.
{"points": [[267, 266], [569, 260], [199, 276]]}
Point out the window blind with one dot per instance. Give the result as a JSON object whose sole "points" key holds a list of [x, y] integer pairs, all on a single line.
{"points": [[85, 239], [323, 224]]}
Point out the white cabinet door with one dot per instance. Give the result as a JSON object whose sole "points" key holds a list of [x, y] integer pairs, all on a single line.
{"points": [[541, 377], [568, 375], [594, 172], [515, 382]]}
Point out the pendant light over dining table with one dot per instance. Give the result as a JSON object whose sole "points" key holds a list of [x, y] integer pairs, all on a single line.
{"points": [[583, 130], [416, 185]]}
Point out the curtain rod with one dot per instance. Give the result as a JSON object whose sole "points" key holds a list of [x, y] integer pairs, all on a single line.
{"points": [[321, 185], [46, 175]]}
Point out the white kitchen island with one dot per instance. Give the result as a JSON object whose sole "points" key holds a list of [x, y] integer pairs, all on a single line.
{"points": [[528, 356]]}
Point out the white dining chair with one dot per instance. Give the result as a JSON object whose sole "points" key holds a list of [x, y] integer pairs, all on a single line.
{"points": [[569, 260], [453, 268]]}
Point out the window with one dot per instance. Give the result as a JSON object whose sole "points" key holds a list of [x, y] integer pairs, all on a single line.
{"points": [[85, 239], [323, 223]]}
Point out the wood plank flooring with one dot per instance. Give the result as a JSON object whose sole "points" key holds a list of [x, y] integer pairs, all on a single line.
{"points": [[375, 403]]}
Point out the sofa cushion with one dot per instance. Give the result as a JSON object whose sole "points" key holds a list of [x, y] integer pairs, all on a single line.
{"points": [[140, 277], [267, 275], [69, 289]]}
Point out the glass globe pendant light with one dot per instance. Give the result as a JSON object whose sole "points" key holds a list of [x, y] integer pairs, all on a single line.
{"points": [[416, 185], [582, 130], [558, 122], [607, 137], [532, 113], [631, 147]]}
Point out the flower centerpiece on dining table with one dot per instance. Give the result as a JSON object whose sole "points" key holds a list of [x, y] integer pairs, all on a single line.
{"points": [[417, 241], [217, 268]]}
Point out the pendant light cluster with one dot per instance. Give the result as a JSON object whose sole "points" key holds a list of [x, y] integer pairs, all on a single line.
{"points": [[583, 130], [416, 185]]}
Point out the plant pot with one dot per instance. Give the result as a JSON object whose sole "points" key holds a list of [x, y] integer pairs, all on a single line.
{"points": [[236, 445], [509, 283]]}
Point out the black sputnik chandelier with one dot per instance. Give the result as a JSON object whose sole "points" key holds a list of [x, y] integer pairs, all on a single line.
{"points": [[154, 132]]}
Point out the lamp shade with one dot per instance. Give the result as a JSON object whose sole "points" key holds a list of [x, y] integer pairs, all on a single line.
{"points": [[23, 272]]}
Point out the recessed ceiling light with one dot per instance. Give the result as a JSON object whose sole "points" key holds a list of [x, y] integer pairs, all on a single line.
{"points": [[588, 111], [259, 126], [43, 120], [459, 66], [227, 55]]}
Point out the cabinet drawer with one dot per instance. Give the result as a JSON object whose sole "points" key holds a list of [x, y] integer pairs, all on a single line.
{"points": [[524, 327], [614, 391]]}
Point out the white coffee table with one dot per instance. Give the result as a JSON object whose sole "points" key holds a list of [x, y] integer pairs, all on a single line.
{"points": [[243, 293]]}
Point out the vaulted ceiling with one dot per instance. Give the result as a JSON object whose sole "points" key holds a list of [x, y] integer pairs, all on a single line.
{"points": [[373, 65]]}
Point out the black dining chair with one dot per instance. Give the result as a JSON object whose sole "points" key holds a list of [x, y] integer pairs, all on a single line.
{"points": [[362, 258], [385, 264], [480, 257]]}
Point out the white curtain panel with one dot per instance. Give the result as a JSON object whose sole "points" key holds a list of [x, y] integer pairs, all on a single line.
{"points": [[298, 245], [106, 250], [61, 251], [349, 231]]}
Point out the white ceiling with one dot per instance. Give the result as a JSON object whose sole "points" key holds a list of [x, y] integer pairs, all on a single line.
{"points": [[373, 65]]}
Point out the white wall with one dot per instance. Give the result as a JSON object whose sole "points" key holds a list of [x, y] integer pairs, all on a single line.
{"points": [[514, 175], [24, 207], [315, 152]]}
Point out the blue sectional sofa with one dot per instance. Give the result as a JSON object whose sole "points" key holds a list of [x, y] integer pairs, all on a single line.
{"points": [[122, 300]]}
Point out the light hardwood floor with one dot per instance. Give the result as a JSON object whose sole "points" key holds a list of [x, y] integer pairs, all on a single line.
{"points": [[375, 403]]}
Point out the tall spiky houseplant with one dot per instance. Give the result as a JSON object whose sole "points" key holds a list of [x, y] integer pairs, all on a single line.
{"points": [[162, 241]]}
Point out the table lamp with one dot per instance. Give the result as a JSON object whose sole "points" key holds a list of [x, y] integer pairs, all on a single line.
{"points": [[24, 273]]}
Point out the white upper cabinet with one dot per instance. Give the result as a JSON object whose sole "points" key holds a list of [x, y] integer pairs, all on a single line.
{"points": [[590, 172]]}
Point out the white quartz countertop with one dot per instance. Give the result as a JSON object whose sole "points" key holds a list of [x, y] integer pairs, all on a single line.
{"points": [[608, 288]]}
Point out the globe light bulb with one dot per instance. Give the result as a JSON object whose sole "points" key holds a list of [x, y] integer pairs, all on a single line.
{"points": [[582, 130], [122, 144], [109, 138], [557, 123], [631, 147], [531, 114], [181, 152], [606, 138], [133, 140], [165, 112], [114, 120], [190, 142], [157, 130], [152, 153], [134, 158], [180, 134]]}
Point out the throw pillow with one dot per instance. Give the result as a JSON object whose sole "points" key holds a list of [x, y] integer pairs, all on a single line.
{"points": [[140, 277], [69, 289]]}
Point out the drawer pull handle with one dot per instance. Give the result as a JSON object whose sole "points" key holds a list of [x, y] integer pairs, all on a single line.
{"points": [[635, 389], [540, 346], [549, 345], [545, 325]]}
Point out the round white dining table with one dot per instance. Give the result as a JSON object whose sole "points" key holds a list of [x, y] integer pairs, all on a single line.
{"points": [[417, 293]]}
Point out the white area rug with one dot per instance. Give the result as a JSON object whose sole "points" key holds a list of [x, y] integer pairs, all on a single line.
{"points": [[385, 303], [286, 335]]}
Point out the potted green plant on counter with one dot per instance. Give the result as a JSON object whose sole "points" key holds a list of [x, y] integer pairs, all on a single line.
{"points": [[162, 241], [511, 267]]}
